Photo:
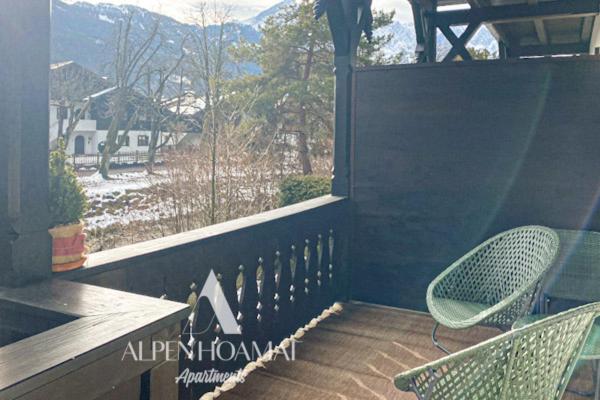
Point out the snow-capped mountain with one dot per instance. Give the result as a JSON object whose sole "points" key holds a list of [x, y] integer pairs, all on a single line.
{"points": [[82, 32], [260, 18]]}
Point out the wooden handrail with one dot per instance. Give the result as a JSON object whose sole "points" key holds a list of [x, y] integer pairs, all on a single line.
{"points": [[277, 269]]}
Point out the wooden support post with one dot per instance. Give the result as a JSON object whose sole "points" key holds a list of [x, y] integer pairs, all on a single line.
{"points": [[431, 40], [502, 53], [420, 32], [344, 67], [346, 28], [25, 245]]}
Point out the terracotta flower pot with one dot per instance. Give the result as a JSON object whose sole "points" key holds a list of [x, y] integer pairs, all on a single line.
{"points": [[68, 247]]}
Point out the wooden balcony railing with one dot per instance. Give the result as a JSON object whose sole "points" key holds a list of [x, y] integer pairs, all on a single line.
{"points": [[278, 270]]}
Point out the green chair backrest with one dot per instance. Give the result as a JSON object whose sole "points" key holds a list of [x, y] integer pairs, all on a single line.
{"points": [[500, 266], [532, 363], [575, 274]]}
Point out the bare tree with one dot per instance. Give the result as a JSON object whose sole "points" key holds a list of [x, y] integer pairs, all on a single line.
{"points": [[209, 60], [159, 115], [70, 89], [247, 183], [131, 63]]}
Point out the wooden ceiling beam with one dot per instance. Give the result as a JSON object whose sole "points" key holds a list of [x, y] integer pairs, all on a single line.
{"points": [[497, 31], [544, 50], [519, 12], [540, 29], [586, 28]]}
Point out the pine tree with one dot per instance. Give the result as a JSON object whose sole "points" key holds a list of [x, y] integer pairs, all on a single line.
{"points": [[295, 55]]}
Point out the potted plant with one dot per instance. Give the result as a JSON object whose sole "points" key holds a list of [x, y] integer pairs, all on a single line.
{"points": [[68, 204]]}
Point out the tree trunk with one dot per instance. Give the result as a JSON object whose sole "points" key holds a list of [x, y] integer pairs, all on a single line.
{"points": [[213, 178], [153, 145], [303, 152], [61, 122], [105, 165], [107, 152], [74, 120]]}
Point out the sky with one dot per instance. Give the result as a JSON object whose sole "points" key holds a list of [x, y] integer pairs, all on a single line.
{"points": [[240, 9]]}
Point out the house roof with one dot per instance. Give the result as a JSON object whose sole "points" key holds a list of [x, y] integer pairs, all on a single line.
{"points": [[60, 65], [73, 82], [103, 92], [188, 103], [531, 27]]}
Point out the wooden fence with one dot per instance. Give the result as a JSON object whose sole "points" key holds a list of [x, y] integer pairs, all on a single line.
{"points": [[119, 159]]}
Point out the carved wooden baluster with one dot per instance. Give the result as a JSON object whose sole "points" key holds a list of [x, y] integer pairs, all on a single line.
{"points": [[309, 281], [266, 300], [232, 284], [188, 336], [307, 260], [249, 304], [282, 297], [277, 271], [203, 324], [260, 279], [331, 274], [297, 294], [218, 330], [321, 290], [240, 287], [187, 332]]}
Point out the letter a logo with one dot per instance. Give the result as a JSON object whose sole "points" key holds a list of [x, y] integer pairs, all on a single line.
{"points": [[214, 293]]}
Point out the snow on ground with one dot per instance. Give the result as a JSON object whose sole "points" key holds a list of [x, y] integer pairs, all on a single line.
{"points": [[95, 185], [124, 216], [120, 200]]}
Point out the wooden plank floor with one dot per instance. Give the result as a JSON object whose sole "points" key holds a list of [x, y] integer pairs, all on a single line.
{"points": [[355, 355]]}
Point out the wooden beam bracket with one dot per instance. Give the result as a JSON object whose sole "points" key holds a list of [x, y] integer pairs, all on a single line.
{"points": [[459, 44]]}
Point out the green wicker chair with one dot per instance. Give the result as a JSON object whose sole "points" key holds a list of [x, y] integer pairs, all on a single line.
{"points": [[531, 363], [494, 284]]}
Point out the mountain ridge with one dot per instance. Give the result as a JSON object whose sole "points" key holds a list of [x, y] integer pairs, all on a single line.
{"points": [[81, 32]]}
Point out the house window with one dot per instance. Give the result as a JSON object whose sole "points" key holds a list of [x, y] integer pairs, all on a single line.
{"points": [[143, 141], [126, 142]]}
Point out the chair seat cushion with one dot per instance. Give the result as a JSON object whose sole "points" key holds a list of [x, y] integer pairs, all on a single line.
{"points": [[456, 314]]}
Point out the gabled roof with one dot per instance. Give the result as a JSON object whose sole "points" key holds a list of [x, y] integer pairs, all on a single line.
{"points": [[189, 103], [72, 82]]}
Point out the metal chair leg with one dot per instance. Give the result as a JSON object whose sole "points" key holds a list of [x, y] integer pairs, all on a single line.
{"points": [[436, 343], [597, 379]]}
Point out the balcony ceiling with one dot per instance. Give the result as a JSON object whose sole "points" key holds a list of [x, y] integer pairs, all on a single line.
{"points": [[565, 27]]}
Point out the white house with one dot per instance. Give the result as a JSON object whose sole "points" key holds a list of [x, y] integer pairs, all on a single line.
{"points": [[72, 87]]}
